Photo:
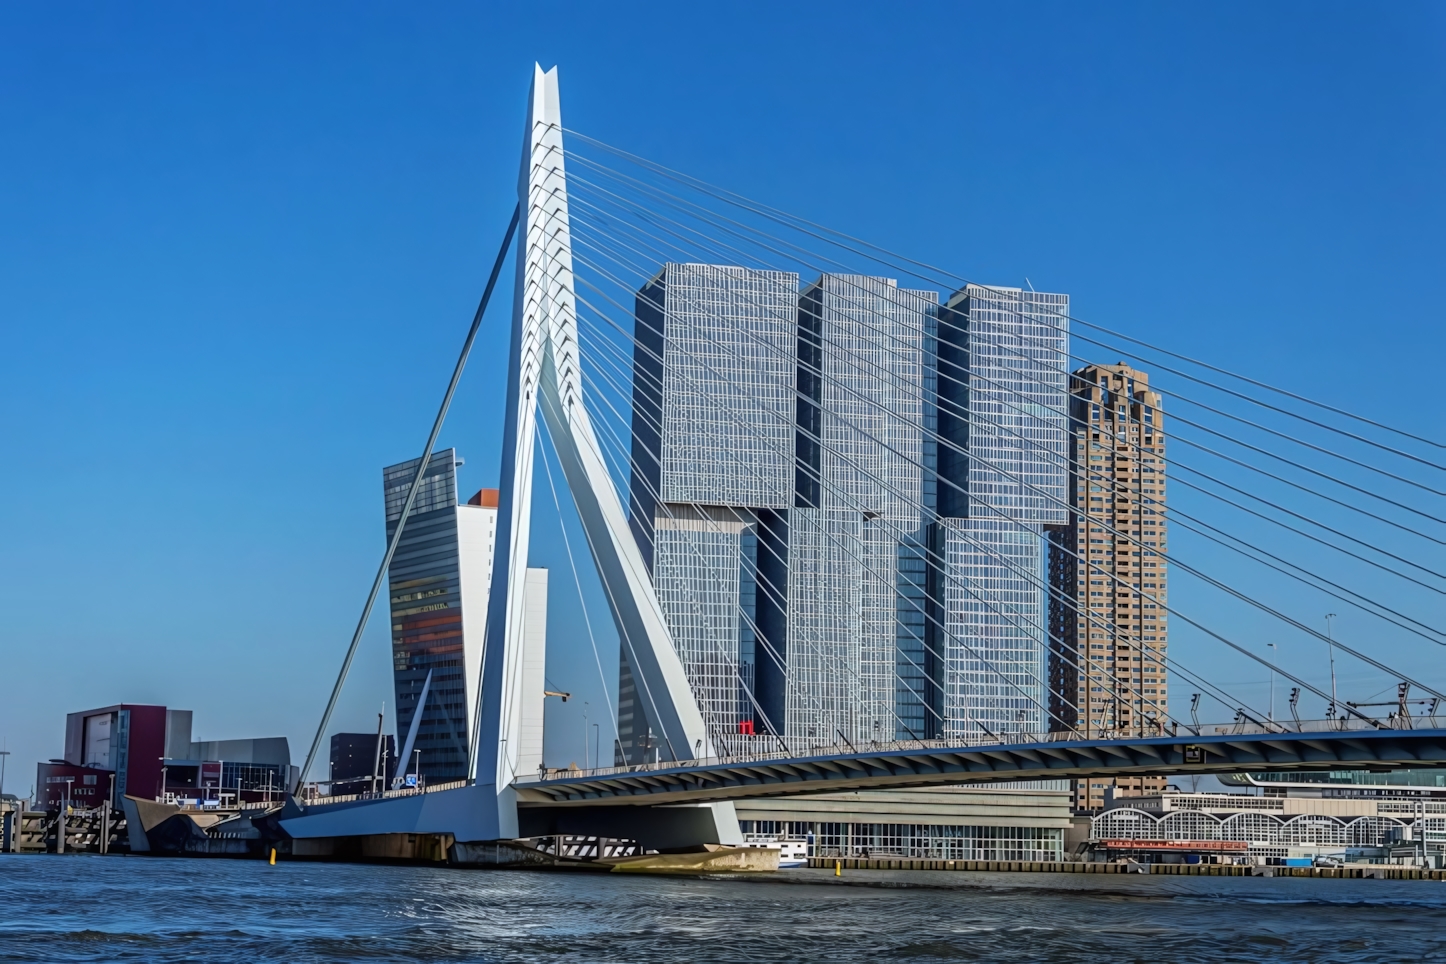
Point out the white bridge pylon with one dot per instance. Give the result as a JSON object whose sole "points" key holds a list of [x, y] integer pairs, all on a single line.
{"points": [[544, 377]]}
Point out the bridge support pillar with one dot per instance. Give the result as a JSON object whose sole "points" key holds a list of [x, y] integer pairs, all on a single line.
{"points": [[663, 829]]}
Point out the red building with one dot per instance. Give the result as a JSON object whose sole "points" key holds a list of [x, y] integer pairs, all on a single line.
{"points": [[129, 749], [109, 752], [60, 783]]}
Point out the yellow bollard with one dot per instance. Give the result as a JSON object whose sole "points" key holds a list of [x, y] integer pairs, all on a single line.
{"points": [[273, 856], [838, 868]]}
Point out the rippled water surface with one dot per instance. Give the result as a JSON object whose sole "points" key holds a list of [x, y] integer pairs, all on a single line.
{"points": [[87, 908]]}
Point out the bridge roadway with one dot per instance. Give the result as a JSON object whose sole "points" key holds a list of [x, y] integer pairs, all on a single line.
{"points": [[919, 766]]}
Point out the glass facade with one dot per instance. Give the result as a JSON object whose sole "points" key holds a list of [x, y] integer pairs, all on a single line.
{"points": [[712, 452], [426, 602], [1017, 483], [863, 353], [931, 841], [1018, 368], [994, 610], [699, 568], [832, 562], [1271, 834]]}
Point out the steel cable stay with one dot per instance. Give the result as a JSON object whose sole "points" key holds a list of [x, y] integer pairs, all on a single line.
{"points": [[1267, 474], [1186, 672], [1246, 598], [577, 583], [1326, 544], [1229, 701], [1312, 492], [1176, 512], [696, 605], [698, 506], [620, 392], [632, 467], [844, 278], [897, 260], [609, 429], [1289, 511], [1266, 429], [738, 517], [758, 633], [624, 638], [1065, 316], [1176, 463], [1352, 554], [625, 311], [410, 500]]}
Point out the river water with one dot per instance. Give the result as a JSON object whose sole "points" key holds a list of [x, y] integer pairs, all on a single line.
{"points": [[89, 908]]}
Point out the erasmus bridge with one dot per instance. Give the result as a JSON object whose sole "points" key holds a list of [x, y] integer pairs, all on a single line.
{"points": [[947, 575]]}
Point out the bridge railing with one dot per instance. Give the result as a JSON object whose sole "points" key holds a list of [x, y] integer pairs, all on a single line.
{"points": [[800, 750], [311, 794]]}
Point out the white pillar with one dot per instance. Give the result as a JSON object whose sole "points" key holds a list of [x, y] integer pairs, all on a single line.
{"points": [[544, 370]]}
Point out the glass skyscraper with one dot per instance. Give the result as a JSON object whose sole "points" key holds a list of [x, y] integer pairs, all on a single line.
{"points": [[1018, 472], [860, 493], [778, 463], [439, 581], [712, 453], [830, 560]]}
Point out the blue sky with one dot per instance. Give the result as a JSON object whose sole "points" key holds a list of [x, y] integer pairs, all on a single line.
{"points": [[239, 245]]}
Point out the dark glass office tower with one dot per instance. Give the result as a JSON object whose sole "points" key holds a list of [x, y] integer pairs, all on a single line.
{"points": [[439, 578]]}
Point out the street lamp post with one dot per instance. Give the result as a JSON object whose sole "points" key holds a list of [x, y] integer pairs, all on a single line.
{"points": [[1331, 648], [60, 829], [1272, 681]]}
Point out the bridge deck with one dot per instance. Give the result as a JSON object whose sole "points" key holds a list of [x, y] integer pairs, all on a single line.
{"points": [[1216, 753]]}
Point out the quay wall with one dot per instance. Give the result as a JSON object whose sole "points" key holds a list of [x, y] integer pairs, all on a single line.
{"points": [[1360, 872]]}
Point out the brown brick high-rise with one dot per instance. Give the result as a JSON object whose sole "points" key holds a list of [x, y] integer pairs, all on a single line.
{"points": [[1108, 583]]}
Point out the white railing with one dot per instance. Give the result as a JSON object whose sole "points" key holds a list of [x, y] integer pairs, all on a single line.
{"points": [[312, 798]]}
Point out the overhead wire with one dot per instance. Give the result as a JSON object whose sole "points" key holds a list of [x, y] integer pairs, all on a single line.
{"points": [[619, 307], [1359, 490], [1205, 448], [657, 496], [822, 232], [1247, 599]]}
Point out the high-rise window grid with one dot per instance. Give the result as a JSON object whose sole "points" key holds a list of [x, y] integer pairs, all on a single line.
{"points": [[1120, 584], [898, 623], [1016, 484], [424, 580], [727, 379]]}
